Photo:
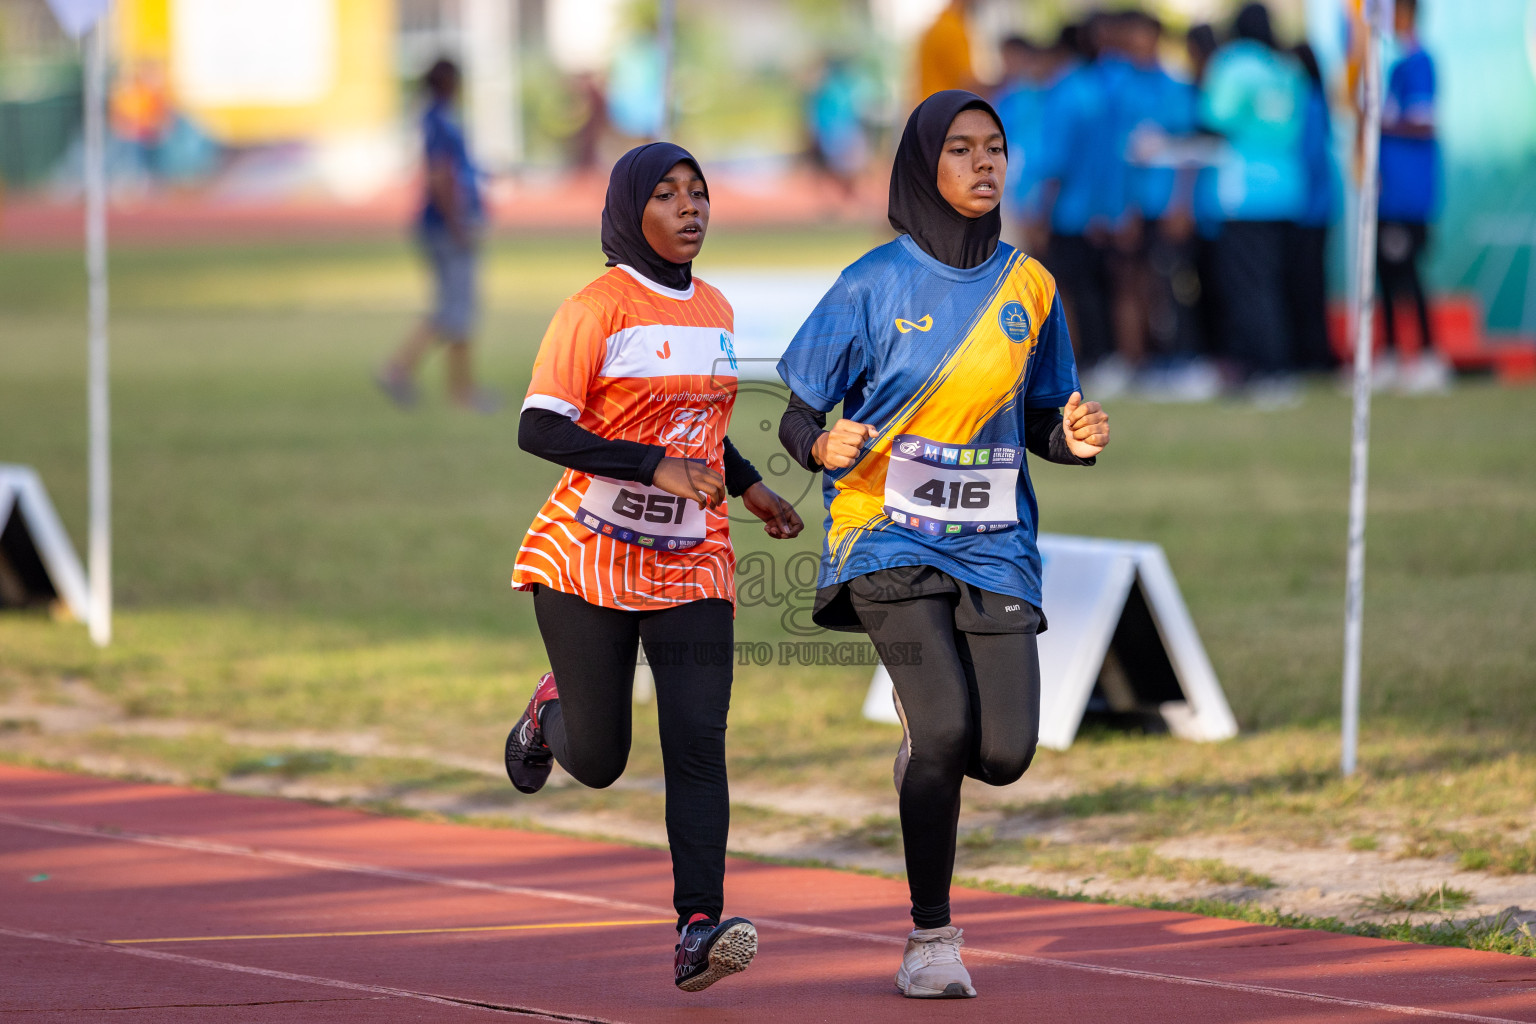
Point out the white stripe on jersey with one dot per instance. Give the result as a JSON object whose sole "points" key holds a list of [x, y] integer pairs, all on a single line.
{"points": [[659, 350], [551, 403]]}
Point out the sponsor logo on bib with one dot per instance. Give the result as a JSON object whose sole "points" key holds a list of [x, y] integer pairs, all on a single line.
{"points": [[1014, 321], [910, 447]]}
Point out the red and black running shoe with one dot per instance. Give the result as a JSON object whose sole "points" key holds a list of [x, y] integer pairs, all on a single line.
{"points": [[707, 952], [528, 757]]}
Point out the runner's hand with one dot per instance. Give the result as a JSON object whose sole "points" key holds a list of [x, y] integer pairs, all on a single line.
{"points": [[1086, 426], [692, 480], [841, 446], [780, 520]]}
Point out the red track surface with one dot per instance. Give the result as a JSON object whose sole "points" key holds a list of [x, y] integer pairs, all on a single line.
{"points": [[575, 930]]}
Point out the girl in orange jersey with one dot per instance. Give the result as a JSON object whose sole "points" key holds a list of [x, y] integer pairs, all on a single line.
{"points": [[631, 392]]}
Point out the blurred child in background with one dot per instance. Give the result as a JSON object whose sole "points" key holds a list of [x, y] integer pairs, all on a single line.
{"points": [[450, 230]]}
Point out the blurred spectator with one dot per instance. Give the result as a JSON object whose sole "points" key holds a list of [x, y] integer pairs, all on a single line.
{"points": [[836, 111], [1076, 156], [1409, 188], [1255, 96], [1028, 73], [1158, 115], [636, 92], [450, 228], [592, 121], [1125, 101], [1200, 45], [944, 53], [1306, 258], [140, 111]]}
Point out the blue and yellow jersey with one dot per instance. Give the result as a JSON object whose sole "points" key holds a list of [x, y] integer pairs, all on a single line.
{"points": [[943, 363]]}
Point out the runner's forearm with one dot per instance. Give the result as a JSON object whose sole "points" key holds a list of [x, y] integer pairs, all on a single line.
{"points": [[557, 439], [739, 473], [799, 428]]}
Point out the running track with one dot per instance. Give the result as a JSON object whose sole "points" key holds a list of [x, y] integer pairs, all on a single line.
{"points": [[174, 905]]}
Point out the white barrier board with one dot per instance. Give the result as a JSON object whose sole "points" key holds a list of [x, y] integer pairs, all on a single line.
{"points": [[1092, 588], [22, 495]]}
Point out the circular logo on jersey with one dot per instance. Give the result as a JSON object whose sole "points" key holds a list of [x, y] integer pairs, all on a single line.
{"points": [[1014, 321]]}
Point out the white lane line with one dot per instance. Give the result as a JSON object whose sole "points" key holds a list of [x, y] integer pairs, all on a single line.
{"points": [[304, 860], [309, 979]]}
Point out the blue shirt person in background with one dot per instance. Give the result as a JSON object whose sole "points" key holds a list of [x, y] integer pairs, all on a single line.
{"points": [[835, 113], [1255, 96], [1076, 170], [1307, 246], [1028, 73], [1154, 115], [449, 229], [1410, 173]]}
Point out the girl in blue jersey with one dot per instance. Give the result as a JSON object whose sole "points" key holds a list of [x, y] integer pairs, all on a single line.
{"points": [[949, 351]]}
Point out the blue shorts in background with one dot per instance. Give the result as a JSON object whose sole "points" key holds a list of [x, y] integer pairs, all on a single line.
{"points": [[455, 274]]}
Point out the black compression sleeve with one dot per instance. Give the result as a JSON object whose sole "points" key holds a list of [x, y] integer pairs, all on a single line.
{"points": [[1046, 438], [799, 428], [739, 473], [552, 436]]}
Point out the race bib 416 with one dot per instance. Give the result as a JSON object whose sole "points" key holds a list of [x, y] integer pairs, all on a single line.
{"points": [[947, 489]]}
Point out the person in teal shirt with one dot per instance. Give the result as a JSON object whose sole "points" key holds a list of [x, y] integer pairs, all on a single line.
{"points": [[1255, 95]]}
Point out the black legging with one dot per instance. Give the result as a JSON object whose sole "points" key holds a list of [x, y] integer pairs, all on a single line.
{"points": [[972, 704], [1398, 246], [592, 653]]}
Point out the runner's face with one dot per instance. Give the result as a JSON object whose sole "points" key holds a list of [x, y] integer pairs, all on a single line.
{"points": [[973, 166], [677, 215]]}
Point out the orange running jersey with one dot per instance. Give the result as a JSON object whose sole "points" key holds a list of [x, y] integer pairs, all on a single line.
{"points": [[629, 359]]}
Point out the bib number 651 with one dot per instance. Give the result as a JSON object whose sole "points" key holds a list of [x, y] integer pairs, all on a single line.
{"points": [[971, 494], [652, 508]]}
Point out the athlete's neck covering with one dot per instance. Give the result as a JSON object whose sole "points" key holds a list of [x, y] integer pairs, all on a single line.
{"points": [[917, 208], [630, 186]]}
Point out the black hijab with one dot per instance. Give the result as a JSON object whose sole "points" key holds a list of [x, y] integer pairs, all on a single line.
{"points": [[630, 185], [917, 208]]}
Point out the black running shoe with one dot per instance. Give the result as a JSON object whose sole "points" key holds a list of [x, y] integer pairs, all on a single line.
{"points": [[528, 756], [707, 952]]}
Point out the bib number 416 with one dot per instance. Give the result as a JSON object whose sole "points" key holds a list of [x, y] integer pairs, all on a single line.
{"points": [[652, 508], [971, 494]]}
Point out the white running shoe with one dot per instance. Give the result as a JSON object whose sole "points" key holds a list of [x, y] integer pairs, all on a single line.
{"points": [[931, 967], [1427, 375]]}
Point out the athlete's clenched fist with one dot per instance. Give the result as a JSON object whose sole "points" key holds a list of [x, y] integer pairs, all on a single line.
{"points": [[1086, 426], [841, 446]]}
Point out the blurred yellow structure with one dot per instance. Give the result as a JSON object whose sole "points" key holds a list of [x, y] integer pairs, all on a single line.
{"points": [[255, 71]]}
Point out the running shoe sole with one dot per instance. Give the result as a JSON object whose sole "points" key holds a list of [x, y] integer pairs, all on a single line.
{"points": [[730, 954], [528, 772], [954, 990]]}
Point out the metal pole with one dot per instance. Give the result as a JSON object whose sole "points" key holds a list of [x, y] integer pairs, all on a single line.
{"points": [[1364, 302], [100, 449], [666, 29]]}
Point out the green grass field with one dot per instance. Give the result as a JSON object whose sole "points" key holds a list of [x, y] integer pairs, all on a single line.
{"points": [[294, 555]]}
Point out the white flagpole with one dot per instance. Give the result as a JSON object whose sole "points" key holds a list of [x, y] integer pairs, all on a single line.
{"points": [[1363, 301], [100, 447]]}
